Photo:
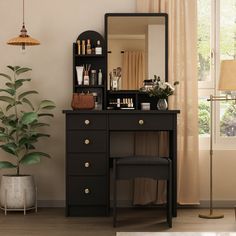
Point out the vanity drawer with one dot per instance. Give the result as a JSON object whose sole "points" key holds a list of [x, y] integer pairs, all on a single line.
{"points": [[87, 190], [141, 122], [86, 121], [87, 164], [86, 141]]}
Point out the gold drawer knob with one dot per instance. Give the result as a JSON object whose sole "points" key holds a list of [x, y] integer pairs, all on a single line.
{"points": [[87, 122], [87, 191], [141, 122], [86, 141], [86, 164]]}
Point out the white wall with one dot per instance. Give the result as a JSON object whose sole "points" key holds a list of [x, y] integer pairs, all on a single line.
{"points": [[56, 23], [156, 51]]}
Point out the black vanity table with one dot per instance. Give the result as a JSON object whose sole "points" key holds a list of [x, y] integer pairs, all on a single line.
{"points": [[88, 153], [88, 131]]}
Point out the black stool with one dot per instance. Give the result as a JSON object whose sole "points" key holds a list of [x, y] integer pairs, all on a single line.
{"points": [[149, 167]]}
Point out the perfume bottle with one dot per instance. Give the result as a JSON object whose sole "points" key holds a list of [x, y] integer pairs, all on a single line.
{"points": [[79, 47], [83, 47], [88, 47], [98, 48], [100, 77]]}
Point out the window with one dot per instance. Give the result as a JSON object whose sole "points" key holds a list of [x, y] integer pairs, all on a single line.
{"points": [[216, 42]]}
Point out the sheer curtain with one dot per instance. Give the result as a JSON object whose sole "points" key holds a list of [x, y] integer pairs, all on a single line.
{"points": [[133, 73], [182, 68]]}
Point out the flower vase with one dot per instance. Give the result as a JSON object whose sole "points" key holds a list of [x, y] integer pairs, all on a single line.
{"points": [[162, 104]]}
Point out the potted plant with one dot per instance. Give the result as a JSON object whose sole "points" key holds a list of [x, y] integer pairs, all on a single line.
{"points": [[20, 124], [162, 90]]}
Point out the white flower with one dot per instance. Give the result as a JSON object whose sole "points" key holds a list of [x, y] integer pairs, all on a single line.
{"points": [[162, 85]]}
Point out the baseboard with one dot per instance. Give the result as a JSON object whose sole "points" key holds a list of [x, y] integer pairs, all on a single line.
{"points": [[218, 204], [51, 203], [128, 203]]}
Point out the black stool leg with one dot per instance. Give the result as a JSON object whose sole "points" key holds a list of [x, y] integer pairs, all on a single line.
{"points": [[169, 197], [114, 192]]}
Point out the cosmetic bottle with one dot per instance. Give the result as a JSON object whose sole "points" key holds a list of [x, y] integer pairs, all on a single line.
{"points": [[83, 47], [98, 48], [118, 103], [79, 47], [93, 77], [100, 77], [88, 47], [86, 78]]}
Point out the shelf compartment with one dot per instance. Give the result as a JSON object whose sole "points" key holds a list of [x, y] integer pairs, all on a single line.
{"points": [[90, 56], [89, 86]]}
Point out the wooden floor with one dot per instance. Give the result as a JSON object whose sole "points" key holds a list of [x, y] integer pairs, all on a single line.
{"points": [[53, 222]]}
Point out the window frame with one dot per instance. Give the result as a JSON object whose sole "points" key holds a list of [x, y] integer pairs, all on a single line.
{"points": [[207, 88]]}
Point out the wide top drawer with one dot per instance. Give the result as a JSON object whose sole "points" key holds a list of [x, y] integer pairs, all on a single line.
{"points": [[138, 122], [86, 121]]}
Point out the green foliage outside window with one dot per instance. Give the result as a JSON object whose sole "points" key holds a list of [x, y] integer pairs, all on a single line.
{"points": [[204, 117]]}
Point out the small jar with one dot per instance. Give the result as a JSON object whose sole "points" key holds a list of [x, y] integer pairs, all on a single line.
{"points": [[93, 77], [145, 106]]}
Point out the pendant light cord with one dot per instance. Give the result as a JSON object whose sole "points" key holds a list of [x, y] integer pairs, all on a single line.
{"points": [[23, 12]]}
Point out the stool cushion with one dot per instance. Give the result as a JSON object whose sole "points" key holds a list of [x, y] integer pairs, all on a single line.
{"points": [[143, 160]]}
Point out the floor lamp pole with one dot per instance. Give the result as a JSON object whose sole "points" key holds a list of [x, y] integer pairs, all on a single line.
{"points": [[211, 215]]}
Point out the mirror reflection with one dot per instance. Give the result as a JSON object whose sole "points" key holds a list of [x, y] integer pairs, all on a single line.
{"points": [[137, 49]]}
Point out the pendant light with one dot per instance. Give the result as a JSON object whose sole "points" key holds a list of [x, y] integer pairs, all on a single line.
{"points": [[23, 39]]}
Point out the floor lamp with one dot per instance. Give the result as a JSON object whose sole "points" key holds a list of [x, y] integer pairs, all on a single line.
{"points": [[227, 82]]}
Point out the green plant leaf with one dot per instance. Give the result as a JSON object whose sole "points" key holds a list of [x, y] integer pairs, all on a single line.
{"points": [[23, 80], [30, 146], [7, 99], [10, 148], [9, 107], [27, 93], [38, 135], [33, 139], [11, 67], [33, 158], [2, 129], [2, 134], [25, 100], [37, 125], [47, 104], [10, 85], [29, 117], [6, 165], [5, 76], [46, 114], [3, 137], [23, 141], [27, 141], [1, 115], [12, 123], [22, 70], [9, 91], [12, 132], [18, 84]]}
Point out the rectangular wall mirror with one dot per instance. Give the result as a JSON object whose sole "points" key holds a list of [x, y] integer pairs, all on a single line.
{"points": [[137, 45]]}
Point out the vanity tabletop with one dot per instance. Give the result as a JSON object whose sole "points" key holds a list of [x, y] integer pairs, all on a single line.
{"points": [[120, 111]]}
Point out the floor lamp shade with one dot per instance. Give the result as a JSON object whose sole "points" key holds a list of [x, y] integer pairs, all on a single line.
{"points": [[227, 80]]}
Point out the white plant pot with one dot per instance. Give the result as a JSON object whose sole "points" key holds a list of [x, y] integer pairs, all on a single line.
{"points": [[17, 192]]}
